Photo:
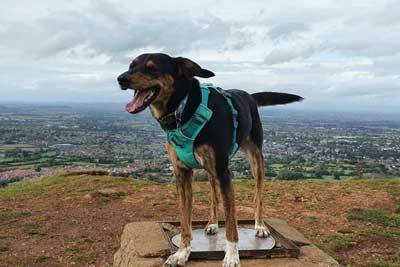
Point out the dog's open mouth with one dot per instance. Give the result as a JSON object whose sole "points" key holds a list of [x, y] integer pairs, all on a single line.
{"points": [[142, 99]]}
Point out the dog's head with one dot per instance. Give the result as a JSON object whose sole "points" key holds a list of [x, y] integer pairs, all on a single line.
{"points": [[153, 78]]}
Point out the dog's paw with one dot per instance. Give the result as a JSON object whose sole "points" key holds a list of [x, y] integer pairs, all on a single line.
{"points": [[262, 230], [231, 262], [179, 258], [211, 228], [231, 258]]}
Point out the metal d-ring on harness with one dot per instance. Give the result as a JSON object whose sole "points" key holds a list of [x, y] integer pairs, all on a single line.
{"points": [[182, 138]]}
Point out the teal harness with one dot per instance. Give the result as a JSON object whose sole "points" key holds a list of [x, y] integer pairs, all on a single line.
{"points": [[183, 137]]}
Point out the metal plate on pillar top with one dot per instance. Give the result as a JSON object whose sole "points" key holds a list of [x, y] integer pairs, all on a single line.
{"points": [[247, 240]]}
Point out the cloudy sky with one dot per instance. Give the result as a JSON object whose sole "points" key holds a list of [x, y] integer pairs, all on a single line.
{"points": [[338, 54]]}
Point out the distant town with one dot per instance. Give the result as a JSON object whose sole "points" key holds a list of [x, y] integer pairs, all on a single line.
{"points": [[40, 139]]}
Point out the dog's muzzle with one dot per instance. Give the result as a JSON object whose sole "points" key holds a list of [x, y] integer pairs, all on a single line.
{"points": [[123, 81]]}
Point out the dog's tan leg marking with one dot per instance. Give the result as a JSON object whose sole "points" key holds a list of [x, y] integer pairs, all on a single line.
{"points": [[228, 200], [231, 258], [183, 176], [255, 157], [205, 155], [212, 226]]}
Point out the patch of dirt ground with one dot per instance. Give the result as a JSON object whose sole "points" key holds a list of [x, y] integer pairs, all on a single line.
{"points": [[78, 220]]}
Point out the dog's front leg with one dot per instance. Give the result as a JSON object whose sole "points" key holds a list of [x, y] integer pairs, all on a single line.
{"points": [[212, 226], [231, 252], [184, 188], [183, 177], [219, 169]]}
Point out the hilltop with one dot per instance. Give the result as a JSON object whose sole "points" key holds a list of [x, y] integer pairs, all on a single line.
{"points": [[77, 219]]}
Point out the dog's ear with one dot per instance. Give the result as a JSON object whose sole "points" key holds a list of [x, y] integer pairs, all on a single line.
{"points": [[190, 68]]}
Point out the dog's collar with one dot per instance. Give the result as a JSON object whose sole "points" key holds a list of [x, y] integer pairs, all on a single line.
{"points": [[168, 121], [174, 119]]}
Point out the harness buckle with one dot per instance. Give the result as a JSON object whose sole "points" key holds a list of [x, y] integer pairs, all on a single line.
{"points": [[179, 111], [178, 119]]}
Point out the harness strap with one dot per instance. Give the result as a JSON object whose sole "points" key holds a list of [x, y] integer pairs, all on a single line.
{"points": [[179, 111], [183, 137], [235, 145], [228, 99]]}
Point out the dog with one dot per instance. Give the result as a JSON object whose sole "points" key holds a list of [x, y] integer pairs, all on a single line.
{"points": [[162, 82]]}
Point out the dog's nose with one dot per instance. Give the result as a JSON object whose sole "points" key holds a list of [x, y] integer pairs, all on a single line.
{"points": [[123, 78]]}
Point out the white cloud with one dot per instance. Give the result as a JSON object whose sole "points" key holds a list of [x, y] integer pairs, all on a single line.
{"points": [[332, 52]]}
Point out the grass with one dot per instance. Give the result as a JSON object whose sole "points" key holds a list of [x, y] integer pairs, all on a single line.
{"points": [[346, 231], [6, 160], [109, 194], [35, 228], [30, 261], [83, 257], [35, 232], [374, 216], [86, 257], [311, 219], [392, 186], [384, 233], [15, 146], [359, 233], [41, 258], [74, 185], [9, 216], [201, 197], [383, 264], [4, 183], [337, 242], [87, 190], [3, 248]]}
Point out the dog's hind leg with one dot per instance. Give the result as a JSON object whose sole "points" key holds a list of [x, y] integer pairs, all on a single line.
{"points": [[255, 157], [183, 177], [253, 149]]}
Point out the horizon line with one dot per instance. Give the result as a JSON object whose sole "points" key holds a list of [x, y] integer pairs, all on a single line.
{"points": [[287, 107]]}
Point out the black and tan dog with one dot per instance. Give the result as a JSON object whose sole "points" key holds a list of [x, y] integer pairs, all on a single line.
{"points": [[161, 82]]}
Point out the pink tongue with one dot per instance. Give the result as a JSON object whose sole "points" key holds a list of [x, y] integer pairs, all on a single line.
{"points": [[138, 102]]}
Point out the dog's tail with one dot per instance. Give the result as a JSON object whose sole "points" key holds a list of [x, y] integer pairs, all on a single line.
{"points": [[273, 98]]}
